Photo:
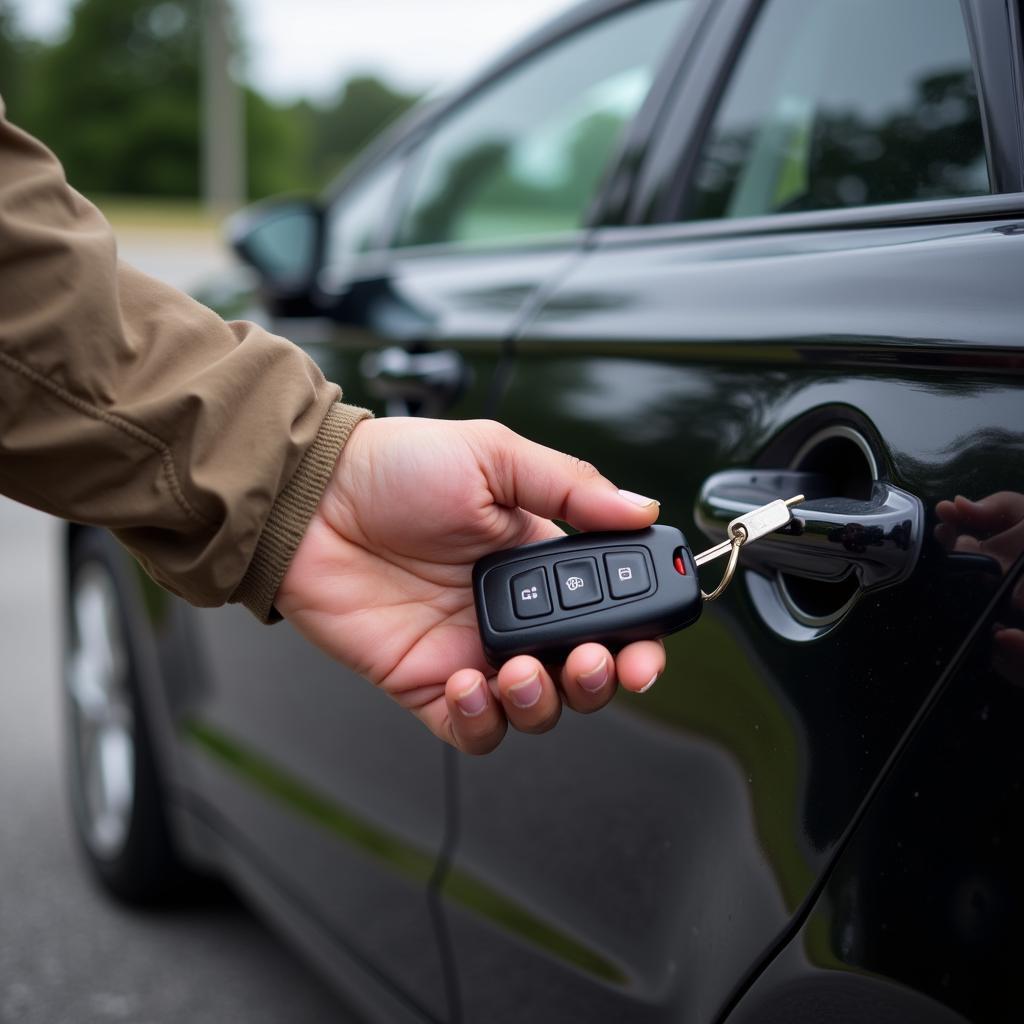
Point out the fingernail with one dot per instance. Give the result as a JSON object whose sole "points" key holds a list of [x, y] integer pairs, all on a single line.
{"points": [[637, 499], [647, 686], [595, 679], [526, 693], [473, 701]]}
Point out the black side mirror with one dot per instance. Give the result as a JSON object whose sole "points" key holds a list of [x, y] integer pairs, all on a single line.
{"points": [[281, 239]]}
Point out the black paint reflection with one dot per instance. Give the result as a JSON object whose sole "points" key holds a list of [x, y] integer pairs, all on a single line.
{"points": [[929, 891]]}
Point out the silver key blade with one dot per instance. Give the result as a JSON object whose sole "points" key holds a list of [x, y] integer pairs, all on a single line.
{"points": [[764, 520], [755, 524], [742, 530], [711, 554]]}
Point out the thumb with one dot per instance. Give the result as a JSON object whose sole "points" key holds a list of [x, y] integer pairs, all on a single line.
{"points": [[556, 486]]}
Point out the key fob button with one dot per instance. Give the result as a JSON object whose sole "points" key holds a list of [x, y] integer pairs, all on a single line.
{"points": [[578, 584], [530, 595], [627, 574]]}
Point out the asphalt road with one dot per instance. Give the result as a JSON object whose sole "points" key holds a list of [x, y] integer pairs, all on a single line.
{"points": [[67, 955]]}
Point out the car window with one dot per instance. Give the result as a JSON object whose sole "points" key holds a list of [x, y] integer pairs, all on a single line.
{"points": [[355, 222], [525, 156], [836, 103]]}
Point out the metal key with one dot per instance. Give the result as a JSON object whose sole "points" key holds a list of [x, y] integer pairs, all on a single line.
{"points": [[745, 529], [612, 588]]}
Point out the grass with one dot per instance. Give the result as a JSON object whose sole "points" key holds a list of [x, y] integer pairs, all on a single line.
{"points": [[158, 213]]}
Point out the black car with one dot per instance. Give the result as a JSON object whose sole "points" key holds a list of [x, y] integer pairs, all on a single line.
{"points": [[726, 251]]}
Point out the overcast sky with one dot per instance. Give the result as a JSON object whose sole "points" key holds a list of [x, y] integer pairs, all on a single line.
{"points": [[306, 47]]}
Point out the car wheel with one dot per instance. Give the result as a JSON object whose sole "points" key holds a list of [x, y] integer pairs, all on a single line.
{"points": [[114, 784]]}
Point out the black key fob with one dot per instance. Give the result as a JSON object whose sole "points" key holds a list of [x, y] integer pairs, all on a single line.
{"points": [[612, 588]]}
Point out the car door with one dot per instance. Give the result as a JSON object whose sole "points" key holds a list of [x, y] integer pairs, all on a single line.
{"points": [[816, 281], [430, 255], [327, 799], [917, 921]]}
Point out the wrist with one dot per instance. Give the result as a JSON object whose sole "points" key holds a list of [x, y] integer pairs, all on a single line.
{"points": [[293, 512]]}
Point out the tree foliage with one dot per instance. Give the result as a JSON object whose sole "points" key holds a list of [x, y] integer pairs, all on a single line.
{"points": [[16, 61], [363, 107], [118, 99], [121, 101]]}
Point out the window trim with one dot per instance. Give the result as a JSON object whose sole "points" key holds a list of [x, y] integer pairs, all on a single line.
{"points": [[1004, 206], [612, 201], [1008, 206], [993, 34], [992, 30]]}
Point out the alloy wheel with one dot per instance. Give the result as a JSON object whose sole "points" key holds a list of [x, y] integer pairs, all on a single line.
{"points": [[102, 715]]}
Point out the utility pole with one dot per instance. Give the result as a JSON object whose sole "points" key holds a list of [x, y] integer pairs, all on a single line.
{"points": [[223, 114]]}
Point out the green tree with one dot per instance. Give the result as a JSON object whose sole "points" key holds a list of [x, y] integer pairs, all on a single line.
{"points": [[10, 53], [118, 99], [365, 106], [17, 59], [121, 99], [280, 146]]}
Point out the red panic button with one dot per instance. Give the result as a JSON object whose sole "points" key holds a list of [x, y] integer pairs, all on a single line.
{"points": [[680, 564]]}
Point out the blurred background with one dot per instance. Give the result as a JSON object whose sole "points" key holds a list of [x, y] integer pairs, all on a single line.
{"points": [[122, 89], [169, 114]]}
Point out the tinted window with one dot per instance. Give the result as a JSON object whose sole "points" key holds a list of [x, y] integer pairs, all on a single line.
{"points": [[839, 103], [525, 157], [355, 222]]}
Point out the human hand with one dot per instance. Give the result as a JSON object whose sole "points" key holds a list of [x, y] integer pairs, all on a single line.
{"points": [[382, 580]]}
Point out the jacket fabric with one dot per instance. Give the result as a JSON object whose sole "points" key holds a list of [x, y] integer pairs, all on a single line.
{"points": [[204, 446]]}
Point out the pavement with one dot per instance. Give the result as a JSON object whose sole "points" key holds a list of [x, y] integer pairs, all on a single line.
{"points": [[67, 954]]}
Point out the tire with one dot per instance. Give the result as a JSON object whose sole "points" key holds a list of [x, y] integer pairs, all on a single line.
{"points": [[113, 778]]}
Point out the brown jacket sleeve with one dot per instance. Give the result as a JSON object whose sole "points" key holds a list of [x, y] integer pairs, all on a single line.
{"points": [[204, 446]]}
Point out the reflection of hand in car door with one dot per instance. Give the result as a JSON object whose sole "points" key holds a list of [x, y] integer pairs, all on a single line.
{"points": [[994, 527]]}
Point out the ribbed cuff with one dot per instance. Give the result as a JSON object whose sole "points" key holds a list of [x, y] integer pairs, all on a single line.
{"points": [[292, 512]]}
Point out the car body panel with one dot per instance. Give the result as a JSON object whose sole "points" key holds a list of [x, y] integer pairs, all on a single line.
{"points": [[663, 360], [308, 773], [293, 757], [932, 864], [456, 302]]}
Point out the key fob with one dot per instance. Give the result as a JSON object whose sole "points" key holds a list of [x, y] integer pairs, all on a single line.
{"points": [[613, 588]]}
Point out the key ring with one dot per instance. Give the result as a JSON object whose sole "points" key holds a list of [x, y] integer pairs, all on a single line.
{"points": [[739, 536]]}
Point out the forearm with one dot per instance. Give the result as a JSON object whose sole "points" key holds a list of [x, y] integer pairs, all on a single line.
{"points": [[126, 404]]}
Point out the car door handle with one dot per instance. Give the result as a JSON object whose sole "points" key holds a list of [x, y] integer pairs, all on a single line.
{"points": [[421, 383], [877, 538]]}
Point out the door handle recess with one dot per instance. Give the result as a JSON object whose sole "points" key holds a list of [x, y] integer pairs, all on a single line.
{"points": [[878, 538], [424, 383]]}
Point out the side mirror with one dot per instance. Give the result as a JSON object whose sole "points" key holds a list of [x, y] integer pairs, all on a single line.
{"points": [[281, 240]]}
